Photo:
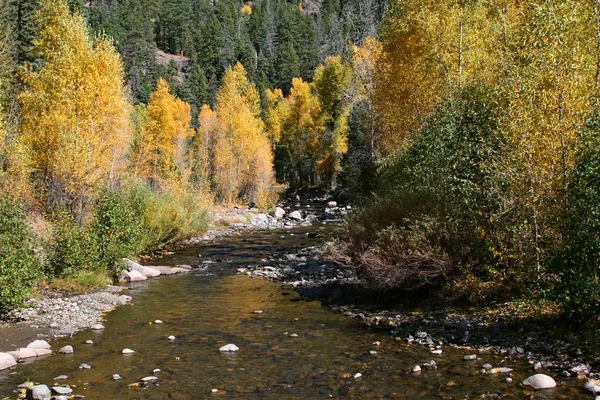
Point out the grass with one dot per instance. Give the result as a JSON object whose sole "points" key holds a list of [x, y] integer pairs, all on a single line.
{"points": [[81, 282]]}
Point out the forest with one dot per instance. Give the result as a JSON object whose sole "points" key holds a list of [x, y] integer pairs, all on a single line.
{"points": [[467, 130]]}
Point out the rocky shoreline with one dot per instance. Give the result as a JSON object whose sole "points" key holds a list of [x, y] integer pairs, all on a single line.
{"points": [[478, 332]]}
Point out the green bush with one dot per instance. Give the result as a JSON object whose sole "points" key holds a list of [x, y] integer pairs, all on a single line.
{"points": [[436, 199], [18, 266], [119, 226], [75, 248], [578, 287]]}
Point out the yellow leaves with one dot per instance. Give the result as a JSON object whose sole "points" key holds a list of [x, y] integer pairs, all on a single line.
{"points": [[242, 155], [246, 9], [166, 138], [75, 110]]}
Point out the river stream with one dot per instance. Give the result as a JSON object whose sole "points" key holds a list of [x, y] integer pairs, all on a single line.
{"points": [[294, 349]]}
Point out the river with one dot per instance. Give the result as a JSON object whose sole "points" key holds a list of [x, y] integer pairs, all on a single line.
{"points": [[294, 349]]}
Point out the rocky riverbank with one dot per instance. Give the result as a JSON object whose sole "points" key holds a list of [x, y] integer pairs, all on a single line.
{"points": [[533, 337]]}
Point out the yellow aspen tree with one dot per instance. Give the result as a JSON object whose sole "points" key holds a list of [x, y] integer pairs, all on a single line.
{"points": [[331, 83], [240, 142], [364, 88], [276, 113], [75, 113], [140, 146], [551, 90], [166, 140], [200, 150]]}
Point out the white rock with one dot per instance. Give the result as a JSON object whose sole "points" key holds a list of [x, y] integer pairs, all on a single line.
{"points": [[7, 361], [229, 348], [156, 371], [470, 357], [592, 386], [168, 270], [147, 272], [294, 335], [85, 366], [279, 212], [38, 344], [171, 337], [97, 327], [116, 377], [509, 380], [295, 215], [416, 368], [332, 204], [500, 370], [62, 390], [438, 351], [158, 321], [127, 351], [61, 378], [357, 375], [89, 342], [23, 353], [214, 390], [147, 379], [540, 381], [39, 392], [66, 350]]}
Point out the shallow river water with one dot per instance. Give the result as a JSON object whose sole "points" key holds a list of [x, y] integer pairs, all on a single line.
{"points": [[209, 308]]}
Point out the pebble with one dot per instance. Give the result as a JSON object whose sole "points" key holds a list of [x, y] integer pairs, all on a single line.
{"points": [[487, 366], [85, 366], [97, 327], [148, 379], [540, 382], [62, 390], [61, 378], [214, 390], [156, 371], [229, 348], [470, 357], [116, 377], [294, 335], [500, 370], [127, 351], [89, 342], [438, 351], [416, 368], [509, 380], [66, 350], [258, 312], [357, 375], [171, 337], [158, 321]]}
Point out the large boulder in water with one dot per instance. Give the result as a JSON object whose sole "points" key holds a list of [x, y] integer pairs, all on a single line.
{"points": [[132, 276], [296, 215], [279, 213], [38, 392], [7, 361], [540, 382], [147, 272], [38, 344]]}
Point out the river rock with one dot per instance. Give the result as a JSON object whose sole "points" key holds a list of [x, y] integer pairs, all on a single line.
{"points": [[7, 361], [85, 366], [127, 351], [592, 386], [132, 276], [97, 327], [23, 353], [169, 270], [61, 378], [470, 357], [147, 272], [116, 377], [279, 212], [64, 390], [229, 348], [416, 368], [66, 350], [89, 342], [148, 379], [171, 337], [38, 344], [259, 219], [332, 204], [296, 215], [540, 382], [38, 392]]}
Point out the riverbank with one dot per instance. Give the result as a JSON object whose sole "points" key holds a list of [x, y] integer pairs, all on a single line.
{"points": [[530, 332], [52, 314]]}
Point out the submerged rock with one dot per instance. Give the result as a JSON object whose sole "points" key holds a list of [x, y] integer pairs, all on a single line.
{"points": [[127, 351], [38, 392], [540, 382], [296, 215], [66, 350], [229, 348]]}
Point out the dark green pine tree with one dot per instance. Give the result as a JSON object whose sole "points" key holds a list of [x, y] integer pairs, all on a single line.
{"points": [[20, 17], [287, 66]]}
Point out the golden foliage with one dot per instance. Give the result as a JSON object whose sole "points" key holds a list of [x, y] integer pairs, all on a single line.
{"points": [[75, 114]]}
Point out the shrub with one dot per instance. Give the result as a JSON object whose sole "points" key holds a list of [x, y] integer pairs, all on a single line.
{"points": [[18, 266], [437, 196], [75, 248], [119, 226]]}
